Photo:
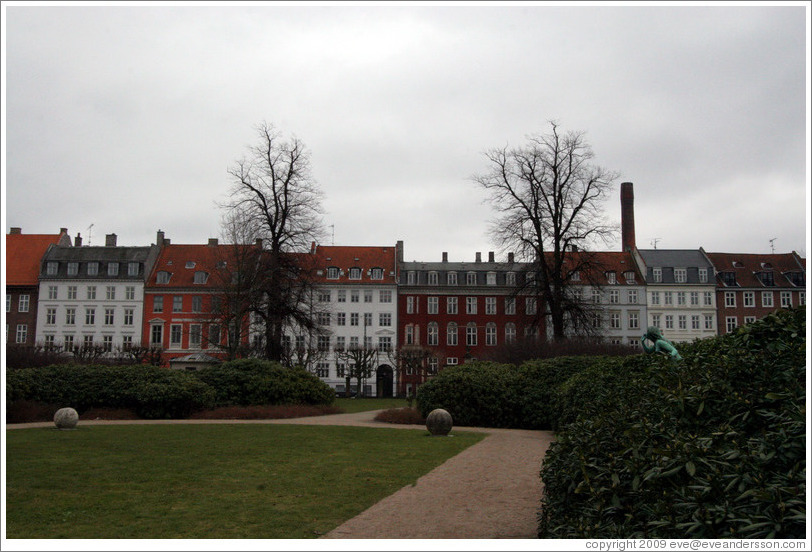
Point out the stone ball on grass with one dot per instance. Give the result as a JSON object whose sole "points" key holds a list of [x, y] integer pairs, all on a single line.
{"points": [[66, 418], [439, 422]]}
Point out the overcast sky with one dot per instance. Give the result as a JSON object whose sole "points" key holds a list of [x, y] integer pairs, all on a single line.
{"points": [[128, 118]]}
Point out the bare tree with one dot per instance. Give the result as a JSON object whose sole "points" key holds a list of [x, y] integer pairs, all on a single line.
{"points": [[359, 363], [548, 196], [413, 360], [274, 195]]}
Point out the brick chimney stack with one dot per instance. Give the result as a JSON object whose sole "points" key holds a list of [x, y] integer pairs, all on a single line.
{"points": [[110, 240], [627, 215]]}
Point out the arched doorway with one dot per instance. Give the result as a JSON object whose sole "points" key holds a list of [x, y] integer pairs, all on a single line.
{"points": [[384, 381]]}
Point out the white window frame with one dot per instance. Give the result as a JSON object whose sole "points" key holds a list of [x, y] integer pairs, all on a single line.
{"points": [[730, 299], [749, 299], [767, 299]]}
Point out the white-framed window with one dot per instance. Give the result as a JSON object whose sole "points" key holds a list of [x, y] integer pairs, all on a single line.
{"points": [[156, 335], [634, 320], [385, 319], [49, 341], [341, 296], [708, 321], [408, 336], [368, 293], [411, 278], [682, 322], [323, 369], [201, 277], [129, 293], [451, 278], [597, 320], [129, 316], [490, 334], [629, 275], [163, 277], [110, 293], [355, 296], [368, 319], [681, 298], [749, 319], [655, 297], [323, 343], [68, 342], [53, 291], [767, 299], [510, 332], [87, 342], [23, 303], [90, 316], [433, 333], [355, 273], [802, 298], [70, 316], [332, 273], [385, 296], [158, 303], [177, 303], [694, 298], [451, 361], [680, 275], [451, 305], [91, 292], [470, 279], [22, 333], [470, 305], [341, 342], [175, 335], [749, 298], [731, 323], [694, 321], [197, 303], [703, 275], [657, 274], [195, 336], [611, 277], [324, 296], [707, 298], [530, 305], [433, 365], [490, 305], [324, 318], [510, 305], [433, 305], [126, 342], [109, 316], [669, 322], [341, 319], [8, 302], [433, 278], [112, 269], [470, 335], [786, 299], [133, 269], [669, 297], [384, 343], [72, 292], [51, 268], [73, 269], [93, 269], [377, 274], [730, 299], [410, 304], [490, 278], [614, 320], [451, 334], [510, 278], [614, 296], [50, 316]]}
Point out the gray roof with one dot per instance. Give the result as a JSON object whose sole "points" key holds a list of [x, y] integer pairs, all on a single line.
{"points": [[196, 357], [97, 253], [681, 258]]}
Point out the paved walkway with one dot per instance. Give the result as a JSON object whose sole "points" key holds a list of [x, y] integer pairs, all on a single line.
{"points": [[491, 490]]}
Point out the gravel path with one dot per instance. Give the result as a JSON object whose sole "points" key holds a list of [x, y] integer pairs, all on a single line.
{"points": [[491, 490]]}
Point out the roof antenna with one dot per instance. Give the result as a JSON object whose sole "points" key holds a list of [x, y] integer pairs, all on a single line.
{"points": [[772, 245], [89, 233], [654, 242], [333, 238]]}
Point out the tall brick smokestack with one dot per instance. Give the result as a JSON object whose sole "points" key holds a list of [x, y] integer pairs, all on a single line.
{"points": [[627, 215]]}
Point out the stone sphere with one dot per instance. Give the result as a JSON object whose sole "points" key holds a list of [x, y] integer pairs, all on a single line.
{"points": [[66, 418], [439, 422]]}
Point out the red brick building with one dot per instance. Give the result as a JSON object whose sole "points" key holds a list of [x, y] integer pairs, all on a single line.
{"points": [[23, 255], [751, 286]]}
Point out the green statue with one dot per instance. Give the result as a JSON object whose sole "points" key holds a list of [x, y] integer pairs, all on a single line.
{"points": [[661, 345]]}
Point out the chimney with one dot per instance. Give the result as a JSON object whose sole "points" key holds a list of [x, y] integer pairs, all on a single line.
{"points": [[15, 230], [63, 230], [78, 241], [212, 241], [478, 257], [510, 257], [627, 215], [445, 256], [312, 248], [259, 242], [167, 241], [160, 239], [110, 240], [490, 257], [399, 248]]}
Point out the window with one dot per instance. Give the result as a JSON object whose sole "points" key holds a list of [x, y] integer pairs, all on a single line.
{"points": [[510, 305], [70, 316], [409, 335], [730, 299], [91, 292], [614, 320], [767, 299], [324, 297], [112, 269], [72, 292], [201, 277], [156, 335], [510, 278], [8, 302], [323, 370], [377, 274], [574, 276], [470, 279], [707, 298], [133, 269], [433, 334], [22, 333], [669, 322], [341, 319], [655, 297], [703, 275], [109, 316], [802, 298], [367, 319], [629, 275], [195, 336], [470, 335], [300, 343], [68, 343], [655, 320], [596, 296], [367, 296], [87, 342], [163, 277], [490, 305], [73, 269], [385, 343], [633, 296], [452, 338], [51, 268], [749, 319], [23, 303], [634, 320], [708, 321], [490, 279], [682, 322], [385, 296], [451, 278], [50, 316], [341, 296], [797, 279], [451, 305], [766, 278], [611, 277], [129, 315], [158, 303], [411, 278], [332, 273], [694, 321], [694, 298], [385, 319], [52, 293], [433, 278], [353, 319], [323, 343], [730, 323], [126, 342], [90, 317], [669, 297], [749, 298], [728, 279], [490, 334], [355, 296], [410, 305], [510, 332], [530, 305], [355, 273], [433, 365], [92, 269], [681, 298], [324, 318], [614, 296], [214, 336], [657, 274], [341, 343], [786, 299], [177, 303], [470, 305], [110, 293], [596, 320], [197, 303], [680, 275], [190, 264], [175, 335]]}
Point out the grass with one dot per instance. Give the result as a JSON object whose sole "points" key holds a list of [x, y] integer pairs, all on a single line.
{"points": [[223, 481], [363, 405]]}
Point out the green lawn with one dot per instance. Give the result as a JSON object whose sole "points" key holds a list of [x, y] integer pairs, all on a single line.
{"points": [[228, 481], [361, 405]]}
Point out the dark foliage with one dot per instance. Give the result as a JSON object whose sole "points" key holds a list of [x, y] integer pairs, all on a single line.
{"points": [[401, 416]]}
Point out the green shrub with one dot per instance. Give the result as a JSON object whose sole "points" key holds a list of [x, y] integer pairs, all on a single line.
{"points": [[248, 382], [713, 446]]}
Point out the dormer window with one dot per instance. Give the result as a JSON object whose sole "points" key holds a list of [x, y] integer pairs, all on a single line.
{"points": [[703, 275], [51, 268], [221, 264], [133, 269], [629, 277], [796, 278], [575, 276], [201, 277], [510, 278], [657, 274], [190, 264], [355, 273], [163, 277], [451, 278], [92, 269], [766, 278], [112, 269], [491, 278], [680, 275], [611, 277], [433, 278], [332, 273], [737, 264], [728, 279], [470, 278], [377, 274], [411, 278]]}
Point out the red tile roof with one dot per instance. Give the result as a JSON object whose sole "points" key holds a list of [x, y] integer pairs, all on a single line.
{"points": [[23, 255], [602, 262], [364, 257], [748, 264], [182, 261]]}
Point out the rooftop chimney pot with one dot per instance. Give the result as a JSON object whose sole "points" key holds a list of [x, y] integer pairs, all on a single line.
{"points": [[478, 257], [16, 230], [110, 240]]}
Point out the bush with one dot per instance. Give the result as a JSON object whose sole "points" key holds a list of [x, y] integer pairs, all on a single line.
{"points": [[713, 446], [257, 382], [406, 415]]}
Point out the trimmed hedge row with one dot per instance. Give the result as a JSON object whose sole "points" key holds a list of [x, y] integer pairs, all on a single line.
{"points": [[153, 392], [713, 446]]}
